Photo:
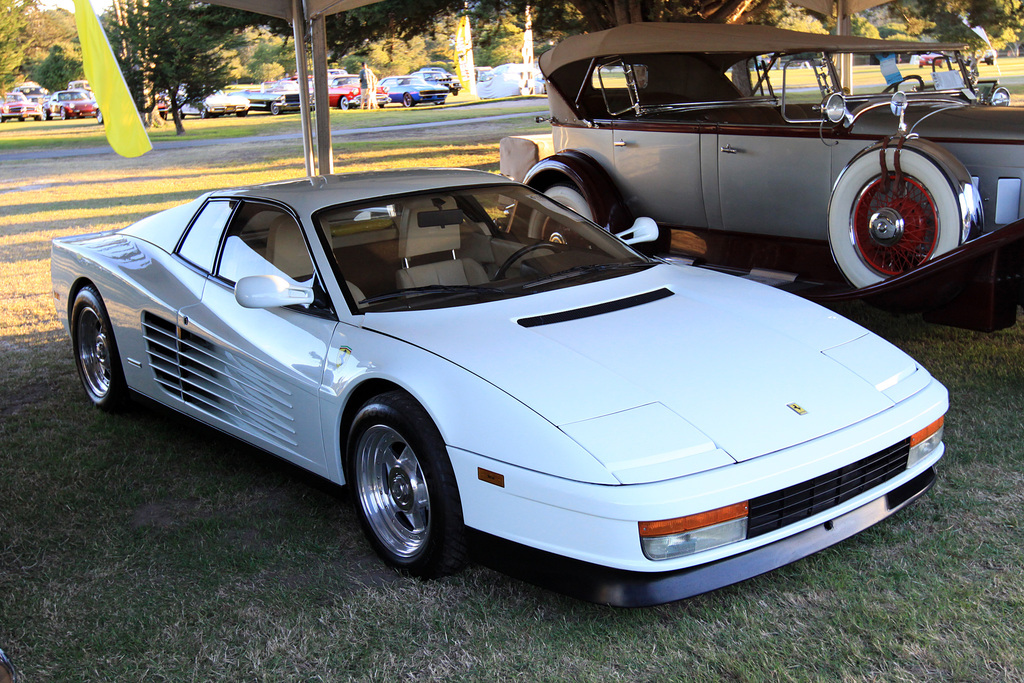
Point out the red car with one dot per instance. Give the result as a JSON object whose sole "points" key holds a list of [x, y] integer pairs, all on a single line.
{"points": [[345, 92], [17, 106], [70, 104], [930, 59]]}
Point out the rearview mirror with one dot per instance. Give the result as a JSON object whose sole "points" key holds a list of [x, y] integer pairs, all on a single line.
{"points": [[643, 230], [270, 291]]}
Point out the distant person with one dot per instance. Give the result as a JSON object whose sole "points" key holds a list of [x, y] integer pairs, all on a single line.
{"points": [[367, 88]]}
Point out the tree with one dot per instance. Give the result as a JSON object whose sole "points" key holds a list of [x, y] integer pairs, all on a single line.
{"points": [[12, 52], [60, 67], [946, 19], [174, 47]]}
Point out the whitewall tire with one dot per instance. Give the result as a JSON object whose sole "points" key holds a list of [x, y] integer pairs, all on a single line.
{"points": [[878, 231], [568, 195]]}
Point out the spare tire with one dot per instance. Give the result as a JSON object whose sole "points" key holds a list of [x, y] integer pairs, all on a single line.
{"points": [[880, 227]]}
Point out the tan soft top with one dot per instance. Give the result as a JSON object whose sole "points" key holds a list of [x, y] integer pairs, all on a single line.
{"points": [[653, 38]]}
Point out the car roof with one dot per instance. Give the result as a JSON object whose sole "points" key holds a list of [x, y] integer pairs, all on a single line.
{"points": [[730, 39], [308, 195]]}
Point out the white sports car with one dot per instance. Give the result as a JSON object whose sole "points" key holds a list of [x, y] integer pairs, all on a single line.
{"points": [[493, 375]]}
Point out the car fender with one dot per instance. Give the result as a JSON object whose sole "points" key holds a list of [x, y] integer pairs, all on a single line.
{"points": [[493, 424], [580, 169]]}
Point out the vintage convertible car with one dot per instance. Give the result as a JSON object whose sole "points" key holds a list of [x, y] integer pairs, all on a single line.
{"points": [[277, 97], [434, 340], [412, 90], [219, 103], [742, 143], [17, 106]]}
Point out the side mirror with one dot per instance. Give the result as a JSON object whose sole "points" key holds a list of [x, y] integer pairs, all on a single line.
{"points": [[270, 291], [643, 230]]}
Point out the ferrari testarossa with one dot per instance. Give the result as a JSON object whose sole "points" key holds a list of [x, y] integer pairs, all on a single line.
{"points": [[496, 377]]}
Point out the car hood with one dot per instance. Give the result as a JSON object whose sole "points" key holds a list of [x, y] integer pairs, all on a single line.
{"points": [[976, 122], [734, 367]]}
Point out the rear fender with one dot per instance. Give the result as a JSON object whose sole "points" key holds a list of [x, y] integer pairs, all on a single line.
{"points": [[579, 169]]}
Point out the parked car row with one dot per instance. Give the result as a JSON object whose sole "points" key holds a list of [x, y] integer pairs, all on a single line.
{"points": [[30, 101]]}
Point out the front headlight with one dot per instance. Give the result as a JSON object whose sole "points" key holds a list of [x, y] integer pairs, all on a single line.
{"points": [[669, 538], [925, 441]]}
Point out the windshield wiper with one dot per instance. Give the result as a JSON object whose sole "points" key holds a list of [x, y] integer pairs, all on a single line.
{"points": [[435, 289], [587, 270]]}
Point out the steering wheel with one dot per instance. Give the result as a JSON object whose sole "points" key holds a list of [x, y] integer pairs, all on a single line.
{"points": [[523, 251], [895, 86]]}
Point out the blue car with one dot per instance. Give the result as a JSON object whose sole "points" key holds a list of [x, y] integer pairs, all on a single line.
{"points": [[412, 90]]}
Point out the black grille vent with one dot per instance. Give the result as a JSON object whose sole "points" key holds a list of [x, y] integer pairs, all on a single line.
{"points": [[781, 508]]}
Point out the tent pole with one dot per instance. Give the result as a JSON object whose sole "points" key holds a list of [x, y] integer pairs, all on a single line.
{"points": [[324, 153], [299, 33]]}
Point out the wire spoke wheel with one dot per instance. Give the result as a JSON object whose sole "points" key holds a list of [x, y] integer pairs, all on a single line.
{"points": [[392, 491], [895, 228]]}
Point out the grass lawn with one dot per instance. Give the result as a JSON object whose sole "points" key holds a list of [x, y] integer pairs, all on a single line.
{"points": [[144, 547]]}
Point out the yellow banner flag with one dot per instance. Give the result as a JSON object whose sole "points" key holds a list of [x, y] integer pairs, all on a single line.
{"points": [[464, 56], [125, 131]]}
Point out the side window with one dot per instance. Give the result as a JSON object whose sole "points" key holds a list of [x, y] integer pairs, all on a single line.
{"points": [[264, 240], [200, 244]]}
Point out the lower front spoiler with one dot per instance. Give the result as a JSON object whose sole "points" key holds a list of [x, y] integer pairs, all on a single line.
{"points": [[622, 588]]}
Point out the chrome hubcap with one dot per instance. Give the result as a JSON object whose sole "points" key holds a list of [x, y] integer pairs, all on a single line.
{"points": [[886, 227], [392, 491], [93, 353]]}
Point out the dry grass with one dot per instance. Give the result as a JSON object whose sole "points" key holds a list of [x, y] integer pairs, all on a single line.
{"points": [[142, 547]]}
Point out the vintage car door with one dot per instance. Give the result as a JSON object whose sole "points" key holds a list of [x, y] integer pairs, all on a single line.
{"points": [[257, 372], [658, 169], [774, 178]]}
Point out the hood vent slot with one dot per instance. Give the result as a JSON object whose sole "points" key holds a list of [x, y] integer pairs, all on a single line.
{"points": [[598, 309]]}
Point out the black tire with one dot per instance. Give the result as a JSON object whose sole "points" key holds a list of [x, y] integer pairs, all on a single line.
{"points": [[407, 100], [99, 117], [404, 489], [96, 355], [63, 114], [203, 114], [343, 103], [275, 109], [240, 114]]}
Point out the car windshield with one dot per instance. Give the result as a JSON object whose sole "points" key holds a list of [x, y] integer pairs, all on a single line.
{"points": [[347, 80], [466, 246], [15, 97], [671, 85]]}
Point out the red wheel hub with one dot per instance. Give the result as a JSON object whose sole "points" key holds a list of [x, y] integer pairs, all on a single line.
{"points": [[895, 228]]}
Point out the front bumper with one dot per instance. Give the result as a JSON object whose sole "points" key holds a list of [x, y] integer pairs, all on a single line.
{"points": [[624, 588]]}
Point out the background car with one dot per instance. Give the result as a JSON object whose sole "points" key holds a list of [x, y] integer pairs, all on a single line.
{"points": [[34, 92], [431, 339], [413, 90], [219, 103], [17, 106], [70, 104], [275, 97], [507, 80], [435, 74], [930, 58], [883, 177], [345, 92]]}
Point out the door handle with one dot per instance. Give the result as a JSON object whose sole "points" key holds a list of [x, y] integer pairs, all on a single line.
{"points": [[729, 149], [619, 143]]}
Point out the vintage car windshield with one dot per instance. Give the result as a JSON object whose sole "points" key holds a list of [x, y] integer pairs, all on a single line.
{"points": [[465, 246], [686, 86]]}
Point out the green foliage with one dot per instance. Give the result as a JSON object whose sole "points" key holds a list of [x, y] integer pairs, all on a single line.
{"points": [[12, 53], [59, 67], [864, 28], [175, 47]]}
